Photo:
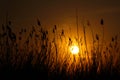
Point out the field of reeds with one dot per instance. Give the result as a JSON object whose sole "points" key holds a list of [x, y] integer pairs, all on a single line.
{"points": [[42, 55]]}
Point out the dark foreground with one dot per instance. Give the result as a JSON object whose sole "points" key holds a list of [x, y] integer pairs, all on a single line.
{"points": [[30, 73]]}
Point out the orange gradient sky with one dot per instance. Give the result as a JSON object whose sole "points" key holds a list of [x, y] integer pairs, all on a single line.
{"points": [[24, 13]]}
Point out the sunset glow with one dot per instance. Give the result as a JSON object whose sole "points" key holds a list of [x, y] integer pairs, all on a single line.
{"points": [[60, 39], [74, 49]]}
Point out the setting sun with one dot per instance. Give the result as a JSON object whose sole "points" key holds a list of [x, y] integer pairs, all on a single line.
{"points": [[74, 49]]}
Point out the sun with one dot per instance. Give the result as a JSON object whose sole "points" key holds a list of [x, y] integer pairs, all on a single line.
{"points": [[74, 49]]}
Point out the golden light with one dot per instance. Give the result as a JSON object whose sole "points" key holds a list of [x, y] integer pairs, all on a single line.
{"points": [[74, 49]]}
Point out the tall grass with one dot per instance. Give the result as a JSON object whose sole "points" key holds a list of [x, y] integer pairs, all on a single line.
{"points": [[39, 52]]}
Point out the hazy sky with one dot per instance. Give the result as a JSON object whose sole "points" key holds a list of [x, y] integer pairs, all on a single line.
{"points": [[63, 13]]}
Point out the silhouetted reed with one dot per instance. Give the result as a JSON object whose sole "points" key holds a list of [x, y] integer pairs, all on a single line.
{"points": [[44, 53]]}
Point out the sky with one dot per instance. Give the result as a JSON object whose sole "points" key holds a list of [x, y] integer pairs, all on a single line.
{"points": [[24, 13]]}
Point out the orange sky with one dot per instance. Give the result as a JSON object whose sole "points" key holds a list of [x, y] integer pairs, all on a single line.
{"points": [[23, 13]]}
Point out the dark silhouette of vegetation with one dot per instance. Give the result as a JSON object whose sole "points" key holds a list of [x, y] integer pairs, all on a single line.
{"points": [[40, 56]]}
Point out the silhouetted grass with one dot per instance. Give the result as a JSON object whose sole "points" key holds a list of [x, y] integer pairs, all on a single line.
{"points": [[41, 54]]}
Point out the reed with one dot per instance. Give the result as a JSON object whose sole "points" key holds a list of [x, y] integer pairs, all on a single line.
{"points": [[51, 56]]}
